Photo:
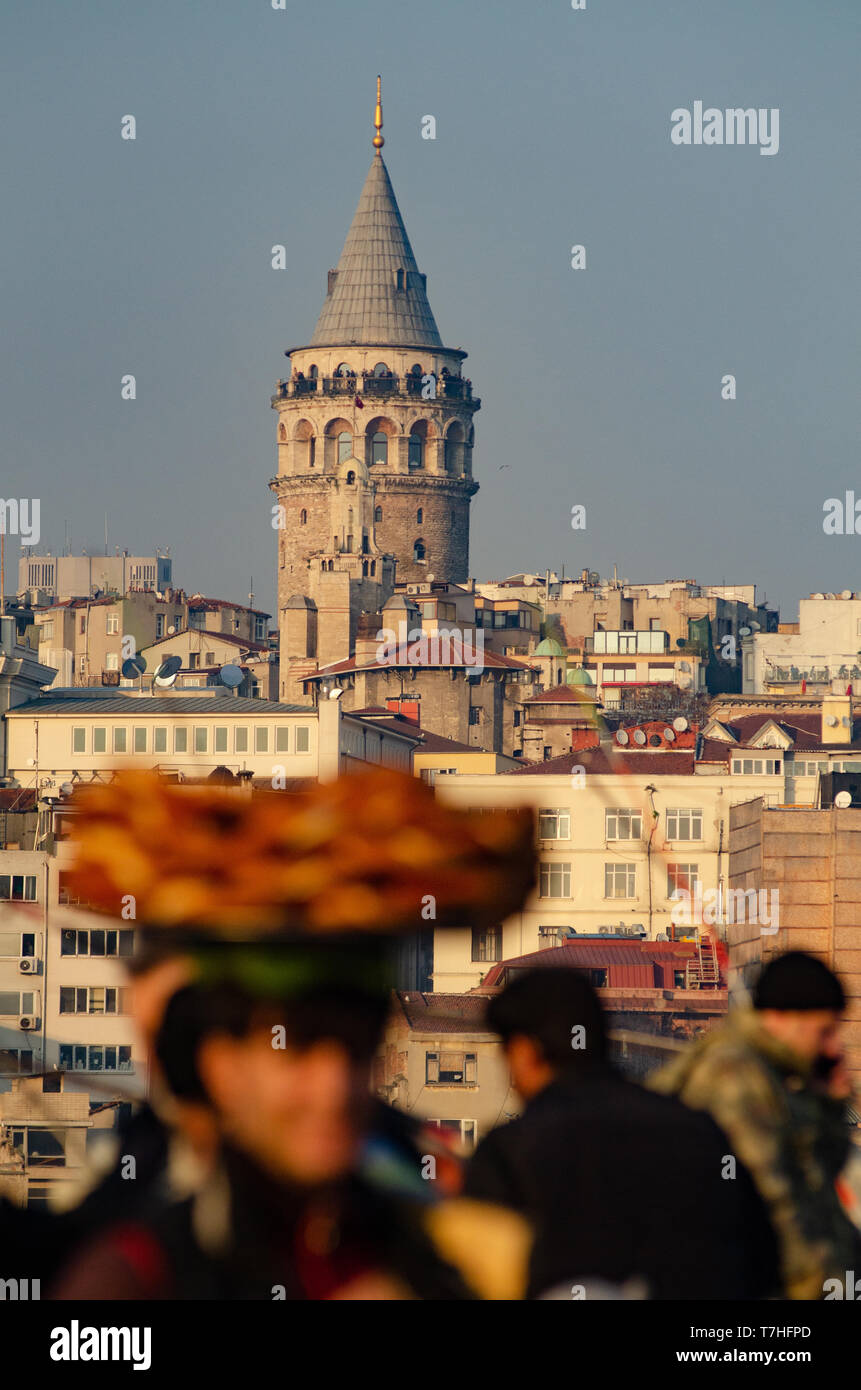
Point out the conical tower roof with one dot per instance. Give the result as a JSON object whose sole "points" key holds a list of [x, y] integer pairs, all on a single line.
{"points": [[377, 294]]}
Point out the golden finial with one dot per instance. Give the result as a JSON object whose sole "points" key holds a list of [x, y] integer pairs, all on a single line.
{"points": [[378, 118]]}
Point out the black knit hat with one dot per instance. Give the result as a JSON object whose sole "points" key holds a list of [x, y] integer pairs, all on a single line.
{"points": [[797, 981]]}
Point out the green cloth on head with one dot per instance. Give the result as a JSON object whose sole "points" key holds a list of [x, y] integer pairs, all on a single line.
{"points": [[285, 971]]}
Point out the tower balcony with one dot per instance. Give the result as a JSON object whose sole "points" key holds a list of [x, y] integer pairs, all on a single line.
{"points": [[367, 385]]}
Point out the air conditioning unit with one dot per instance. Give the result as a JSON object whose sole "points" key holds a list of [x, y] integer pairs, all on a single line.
{"points": [[28, 1022], [413, 588], [27, 965]]}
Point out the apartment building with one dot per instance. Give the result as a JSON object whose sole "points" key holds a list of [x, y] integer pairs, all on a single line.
{"points": [[75, 576], [807, 656]]}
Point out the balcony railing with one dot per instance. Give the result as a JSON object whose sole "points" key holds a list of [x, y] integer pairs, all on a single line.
{"points": [[367, 384]]}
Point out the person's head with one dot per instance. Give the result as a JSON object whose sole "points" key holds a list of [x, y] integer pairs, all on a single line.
{"points": [[551, 1025], [283, 1071], [800, 1002]]}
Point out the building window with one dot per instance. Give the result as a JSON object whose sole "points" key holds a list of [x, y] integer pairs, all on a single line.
{"points": [[416, 451], [419, 516], [96, 942], [100, 740], [17, 888], [555, 881], [554, 825], [82, 624], [379, 448], [47, 632], [378, 513], [750, 767], [139, 740], [620, 880], [201, 740], [159, 740], [450, 1068], [345, 446], [682, 877], [474, 714], [282, 738], [261, 738], [220, 739], [351, 478], [159, 625], [623, 823], [112, 661], [112, 626], [180, 740], [13, 1003], [303, 739], [77, 1057], [684, 824], [97, 999], [486, 945], [79, 740], [121, 740], [418, 550], [240, 739]]}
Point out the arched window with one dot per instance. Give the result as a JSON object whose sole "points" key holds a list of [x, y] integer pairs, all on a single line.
{"points": [[345, 446], [312, 371], [303, 517], [382, 369], [373, 567], [378, 513], [282, 434], [311, 450], [419, 516], [418, 550], [416, 369], [351, 478], [417, 451], [379, 448], [449, 456], [364, 569], [344, 369]]}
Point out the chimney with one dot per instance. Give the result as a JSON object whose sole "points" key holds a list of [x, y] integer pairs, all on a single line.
{"points": [[836, 718]]}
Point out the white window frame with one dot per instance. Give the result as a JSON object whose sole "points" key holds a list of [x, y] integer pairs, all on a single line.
{"points": [[159, 736], [618, 818], [119, 734], [140, 729], [678, 816], [551, 871], [303, 735], [240, 738], [80, 729], [561, 823], [612, 871]]}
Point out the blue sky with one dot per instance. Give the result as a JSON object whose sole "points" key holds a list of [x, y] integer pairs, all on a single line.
{"points": [[599, 387]]}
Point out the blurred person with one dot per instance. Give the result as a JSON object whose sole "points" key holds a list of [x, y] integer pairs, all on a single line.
{"points": [[622, 1186], [287, 911], [774, 1078]]}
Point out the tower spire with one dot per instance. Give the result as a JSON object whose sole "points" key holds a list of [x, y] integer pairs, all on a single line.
{"points": [[378, 117]]}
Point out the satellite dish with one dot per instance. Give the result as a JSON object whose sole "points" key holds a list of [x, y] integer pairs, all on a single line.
{"points": [[744, 632], [754, 625], [639, 736], [165, 674], [847, 593], [134, 667], [817, 595], [680, 724], [231, 675], [171, 632], [66, 789], [669, 736], [655, 740], [684, 666], [431, 578], [831, 720], [684, 682], [843, 800], [622, 737]]}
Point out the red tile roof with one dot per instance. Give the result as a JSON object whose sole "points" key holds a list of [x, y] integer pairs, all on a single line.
{"points": [[594, 953], [444, 1013], [614, 760]]}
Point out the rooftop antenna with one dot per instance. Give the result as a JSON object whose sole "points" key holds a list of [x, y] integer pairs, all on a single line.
{"points": [[251, 594], [106, 533]]}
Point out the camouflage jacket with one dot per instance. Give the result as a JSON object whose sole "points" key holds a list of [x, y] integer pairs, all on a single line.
{"points": [[792, 1138]]}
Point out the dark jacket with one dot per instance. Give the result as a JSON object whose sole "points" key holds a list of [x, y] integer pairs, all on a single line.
{"points": [[621, 1184], [793, 1138]]}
